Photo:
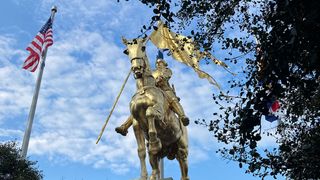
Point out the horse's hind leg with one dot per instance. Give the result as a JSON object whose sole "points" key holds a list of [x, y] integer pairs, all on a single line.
{"points": [[141, 149], [182, 155]]}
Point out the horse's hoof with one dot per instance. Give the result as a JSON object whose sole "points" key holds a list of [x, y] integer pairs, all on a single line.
{"points": [[143, 178], [155, 146], [185, 178], [155, 175], [121, 130]]}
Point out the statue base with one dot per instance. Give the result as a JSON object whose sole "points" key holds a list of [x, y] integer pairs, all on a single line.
{"points": [[170, 178]]}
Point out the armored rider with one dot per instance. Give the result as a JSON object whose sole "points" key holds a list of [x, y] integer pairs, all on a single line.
{"points": [[162, 74]]}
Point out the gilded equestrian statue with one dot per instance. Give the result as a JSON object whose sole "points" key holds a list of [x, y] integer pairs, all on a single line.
{"points": [[153, 119]]}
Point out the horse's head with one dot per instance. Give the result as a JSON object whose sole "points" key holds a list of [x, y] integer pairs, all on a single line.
{"points": [[136, 50]]}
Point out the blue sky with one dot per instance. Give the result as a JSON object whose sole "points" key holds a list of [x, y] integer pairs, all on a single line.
{"points": [[84, 72]]}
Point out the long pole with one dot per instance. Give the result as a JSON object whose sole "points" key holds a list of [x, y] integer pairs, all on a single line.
{"points": [[114, 105], [33, 107]]}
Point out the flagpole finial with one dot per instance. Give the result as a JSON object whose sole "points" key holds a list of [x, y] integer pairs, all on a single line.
{"points": [[54, 9]]}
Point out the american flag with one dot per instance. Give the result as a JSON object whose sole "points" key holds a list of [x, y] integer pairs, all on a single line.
{"points": [[38, 45]]}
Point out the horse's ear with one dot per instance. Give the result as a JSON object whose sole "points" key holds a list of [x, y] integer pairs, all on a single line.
{"points": [[124, 40]]}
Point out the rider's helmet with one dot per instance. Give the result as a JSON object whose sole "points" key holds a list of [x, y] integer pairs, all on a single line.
{"points": [[161, 61]]}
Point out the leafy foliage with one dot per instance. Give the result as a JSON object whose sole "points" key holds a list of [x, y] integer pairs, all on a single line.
{"points": [[13, 167], [279, 42]]}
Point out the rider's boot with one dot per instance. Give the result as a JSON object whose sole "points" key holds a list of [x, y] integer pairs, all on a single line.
{"points": [[177, 108], [123, 129]]}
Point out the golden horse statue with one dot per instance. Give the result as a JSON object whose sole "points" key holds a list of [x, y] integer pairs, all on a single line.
{"points": [[153, 120]]}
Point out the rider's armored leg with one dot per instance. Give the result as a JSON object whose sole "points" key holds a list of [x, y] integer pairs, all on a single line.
{"points": [[123, 129], [177, 108]]}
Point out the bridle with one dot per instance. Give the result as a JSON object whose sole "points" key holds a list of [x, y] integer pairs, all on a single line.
{"points": [[137, 58]]}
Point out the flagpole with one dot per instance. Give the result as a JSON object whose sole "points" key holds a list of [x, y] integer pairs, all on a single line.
{"points": [[27, 133], [161, 168]]}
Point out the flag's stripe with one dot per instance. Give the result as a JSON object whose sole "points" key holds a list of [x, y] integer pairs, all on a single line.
{"points": [[48, 39], [34, 45], [49, 34], [34, 49], [38, 39], [30, 60], [49, 31], [31, 63], [34, 66], [40, 35]]}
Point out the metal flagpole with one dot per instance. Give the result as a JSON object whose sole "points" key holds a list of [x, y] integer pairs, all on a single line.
{"points": [[161, 169], [161, 163], [27, 133]]}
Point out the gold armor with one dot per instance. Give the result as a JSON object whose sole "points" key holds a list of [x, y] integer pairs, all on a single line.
{"points": [[162, 75]]}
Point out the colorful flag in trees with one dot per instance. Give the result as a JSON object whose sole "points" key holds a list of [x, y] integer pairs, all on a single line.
{"points": [[273, 107]]}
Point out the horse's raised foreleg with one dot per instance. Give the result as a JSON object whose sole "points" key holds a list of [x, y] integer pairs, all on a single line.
{"points": [[182, 155], [141, 149]]}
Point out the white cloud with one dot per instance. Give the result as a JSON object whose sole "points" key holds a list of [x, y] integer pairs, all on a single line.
{"points": [[109, 18], [10, 132], [14, 99]]}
